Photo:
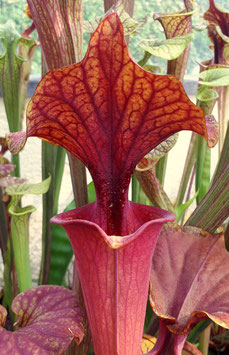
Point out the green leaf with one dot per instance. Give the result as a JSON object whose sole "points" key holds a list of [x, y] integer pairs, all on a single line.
{"points": [[49, 155], [25, 189], [213, 209], [61, 252], [91, 192], [215, 77], [205, 94], [168, 49], [180, 210], [129, 24], [199, 328]]}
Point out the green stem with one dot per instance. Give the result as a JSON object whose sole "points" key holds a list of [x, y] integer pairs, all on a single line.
{"points": [[16, 161], [20, 241], [153, 189], [145, 59], [135, 188], [7, 273], [204, 340], [195, 332], [48, 168], [59, 170], [79, 180], [189, 192], [161, 169], [3, 226], [203, 159], [190, 160]]}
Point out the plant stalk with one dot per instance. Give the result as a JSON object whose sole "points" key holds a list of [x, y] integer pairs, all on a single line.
{"points": [[189, 162], [204, 340]]}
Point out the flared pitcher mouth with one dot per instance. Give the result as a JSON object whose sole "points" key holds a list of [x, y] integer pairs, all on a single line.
{"points": [[77, 217]]}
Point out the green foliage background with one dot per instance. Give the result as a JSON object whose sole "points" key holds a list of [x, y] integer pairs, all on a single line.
{"points": [[14, 9]]}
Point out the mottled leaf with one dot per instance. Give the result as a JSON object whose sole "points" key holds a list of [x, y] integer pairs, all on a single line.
{"points": [[16, 141], [160, 151], [188, 278], [176, 23], [48, 319], [148, 342], [168, 49], [129, 24], [213, 130]]}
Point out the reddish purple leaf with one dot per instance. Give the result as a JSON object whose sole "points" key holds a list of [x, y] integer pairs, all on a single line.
{"points": [[114, 273], [109, 113], [48, 319], [189, 281]]}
